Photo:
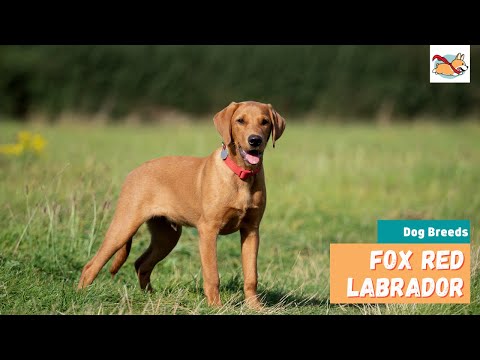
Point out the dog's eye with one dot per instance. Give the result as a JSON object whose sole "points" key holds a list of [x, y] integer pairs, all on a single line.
{"points": [[265, 122], [240, 121]]}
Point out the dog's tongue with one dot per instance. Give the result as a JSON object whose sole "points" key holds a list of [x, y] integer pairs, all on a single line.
{"points": [[252, 159]]}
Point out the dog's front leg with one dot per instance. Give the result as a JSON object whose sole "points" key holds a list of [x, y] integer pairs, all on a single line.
{"points": [[250, 241], [208, 255]]}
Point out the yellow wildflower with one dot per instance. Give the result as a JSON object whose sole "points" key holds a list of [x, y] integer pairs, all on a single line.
{"points": [[38, 143], [26, 142], [12, 149], [24, 137]]}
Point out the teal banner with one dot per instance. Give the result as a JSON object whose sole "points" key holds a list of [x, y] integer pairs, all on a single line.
{"points": [[423, 231]]}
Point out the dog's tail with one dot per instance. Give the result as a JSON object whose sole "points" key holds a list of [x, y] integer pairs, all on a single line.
{"points": [[120, 257]]}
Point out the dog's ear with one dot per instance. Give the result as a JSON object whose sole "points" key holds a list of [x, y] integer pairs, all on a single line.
{"points": [[223, 122], [462, 57], [278, 124], [458, 56]]}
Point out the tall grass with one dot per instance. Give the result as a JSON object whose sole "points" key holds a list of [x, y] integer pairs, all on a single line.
{"points": [[326, 184]]}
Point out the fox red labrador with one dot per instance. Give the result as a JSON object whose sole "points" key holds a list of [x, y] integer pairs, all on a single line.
{"points": [[219, 194]]}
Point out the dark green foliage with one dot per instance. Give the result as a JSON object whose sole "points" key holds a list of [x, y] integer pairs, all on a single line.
{"points": [[353, 81]]}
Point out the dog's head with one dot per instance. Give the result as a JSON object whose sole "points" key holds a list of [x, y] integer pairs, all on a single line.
{"points": [[459, 63], [248, 125]]}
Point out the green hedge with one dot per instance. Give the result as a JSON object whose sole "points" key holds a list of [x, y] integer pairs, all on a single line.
{"points": [[354, 81]]}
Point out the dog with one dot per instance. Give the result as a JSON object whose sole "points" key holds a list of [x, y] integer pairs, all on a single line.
{"points": [[448, 69], [219, 194]]}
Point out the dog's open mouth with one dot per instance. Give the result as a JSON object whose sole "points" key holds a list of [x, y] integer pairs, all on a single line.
{"points": [[252, 157]]}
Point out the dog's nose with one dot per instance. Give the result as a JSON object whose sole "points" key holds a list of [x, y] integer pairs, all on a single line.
{"points": [[255, 140]]}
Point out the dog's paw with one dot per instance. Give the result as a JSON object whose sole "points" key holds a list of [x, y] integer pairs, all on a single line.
{"points": [[215, 303], [254, 304]]}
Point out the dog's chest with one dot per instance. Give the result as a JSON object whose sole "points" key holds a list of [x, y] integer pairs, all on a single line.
{"points": [[235, 214]]}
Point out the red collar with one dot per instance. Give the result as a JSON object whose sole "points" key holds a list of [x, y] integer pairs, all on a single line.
{"points": [[241, 172], [441, 58]]}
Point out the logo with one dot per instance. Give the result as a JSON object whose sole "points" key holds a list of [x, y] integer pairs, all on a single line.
{"points": [[450, 63]]}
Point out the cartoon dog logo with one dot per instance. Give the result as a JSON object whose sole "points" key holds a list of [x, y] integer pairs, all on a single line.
{"points": [[450, 69]]}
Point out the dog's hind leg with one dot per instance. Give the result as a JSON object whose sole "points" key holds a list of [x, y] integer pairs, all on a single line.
{"points": [[120, 257], [119, 234], [164, 237]]}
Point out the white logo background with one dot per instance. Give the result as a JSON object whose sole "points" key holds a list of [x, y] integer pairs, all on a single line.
{"points": [[443, 50]]}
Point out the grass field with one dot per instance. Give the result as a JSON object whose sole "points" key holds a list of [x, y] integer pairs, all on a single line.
{"points": [[326, 184]]}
